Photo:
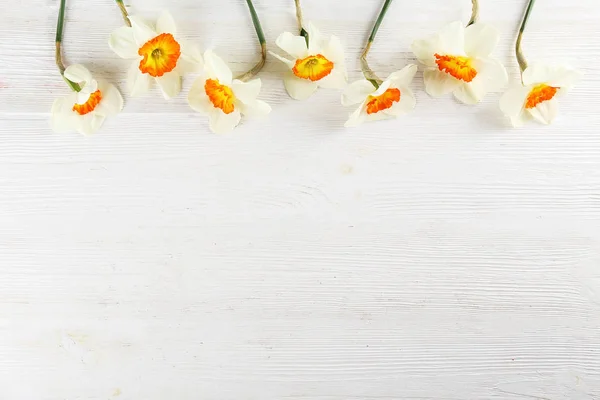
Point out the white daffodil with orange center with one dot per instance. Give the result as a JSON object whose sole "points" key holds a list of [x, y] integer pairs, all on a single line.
{"points": [[224, 99], [158, 55], [537, 97], [457, 60], [85, 111], [391, 99], [320, 63], [379, 99]]}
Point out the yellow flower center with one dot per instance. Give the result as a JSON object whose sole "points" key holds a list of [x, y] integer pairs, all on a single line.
{"points": [[539, 94], [383, 101], [160, 55], [313, 67], [220, 96], [89, 105], [456, 66]]}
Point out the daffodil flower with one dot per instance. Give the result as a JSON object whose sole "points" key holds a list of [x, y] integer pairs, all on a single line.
{"points": [[90, 101], [391, 99], [317, 61], [158, 55], [224, 99], [85, 111], [379, 99], [536, 96], [457, 60]]}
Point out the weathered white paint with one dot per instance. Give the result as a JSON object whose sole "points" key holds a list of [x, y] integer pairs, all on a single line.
{"points": [[439, 256]]}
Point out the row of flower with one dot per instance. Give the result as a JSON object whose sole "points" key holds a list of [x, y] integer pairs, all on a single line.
{"points": [[456, 60]]}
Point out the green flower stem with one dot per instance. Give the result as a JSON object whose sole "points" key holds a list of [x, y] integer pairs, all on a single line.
{"points": [[367, 71], [303, 31], [474, 12], [58, 53], [519, 53], [124, 12], [263, 45]]}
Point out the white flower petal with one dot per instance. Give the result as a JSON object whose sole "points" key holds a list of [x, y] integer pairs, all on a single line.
{"points": [[143, 31], [112, 101], [466, 94], [90, 86], [295, 46], [521, 118], [357, 92], [197, 98], [334, 50], [83, 96], [337, 79], [315, 40], [190, 60], [220, 122], [87, 89], [90, 123], [166, 24], [78, 73], [491, 76], [297, 88], [170, 84], [535, 74], [385, 85], [565, 79], [287, 62], [357, 117], [246, 92], [137, 82], [62, 117], [545, 112], [425, 49], [558, 76], [69, 101], [513, 100], [406, 104], [452, 39], [217, 68], [122, 42], [438, 83], [255, 109], [480, 40], [403, 77]]}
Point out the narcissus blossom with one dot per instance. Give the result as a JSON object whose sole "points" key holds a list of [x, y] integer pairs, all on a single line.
{"points": [[537, 97], [158, 55], [318, 64], [224, 99], [85, 111], [391, 99], [457, 60]]}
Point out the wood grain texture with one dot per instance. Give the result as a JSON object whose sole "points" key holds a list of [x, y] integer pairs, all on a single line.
{"points": [[439, 256]]}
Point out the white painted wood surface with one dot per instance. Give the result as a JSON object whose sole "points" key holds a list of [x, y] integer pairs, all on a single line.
{"points": [[439, 256]]}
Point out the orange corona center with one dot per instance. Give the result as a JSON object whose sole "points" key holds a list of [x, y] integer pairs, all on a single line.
{"points": [[383, 101], [313, 68], [160, 55], [456, 66], [539, 94], [89, 105], [220, 96]]}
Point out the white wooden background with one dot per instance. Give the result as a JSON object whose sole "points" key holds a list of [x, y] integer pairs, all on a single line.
{"points": [[439, 256]]}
